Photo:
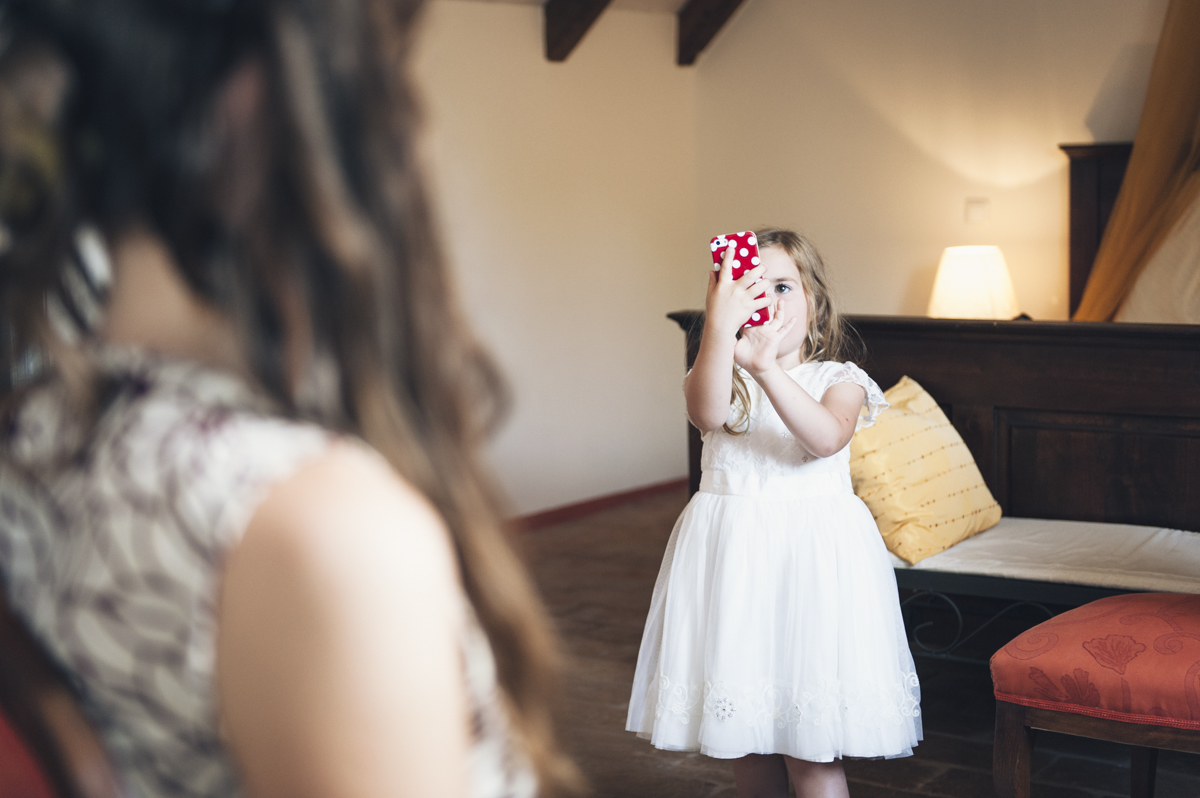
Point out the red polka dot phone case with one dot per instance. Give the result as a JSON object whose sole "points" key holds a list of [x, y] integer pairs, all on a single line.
{"points": [[745, 257]]}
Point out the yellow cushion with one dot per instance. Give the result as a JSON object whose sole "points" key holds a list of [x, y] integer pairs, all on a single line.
{"points": [[918, 478]]}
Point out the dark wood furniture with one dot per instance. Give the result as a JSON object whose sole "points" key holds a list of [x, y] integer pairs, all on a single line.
{"points": [[699, 23], [1121, 669], [1017, 727], [1066, 420], [1097, 171], [566, 22], [36, 700]]}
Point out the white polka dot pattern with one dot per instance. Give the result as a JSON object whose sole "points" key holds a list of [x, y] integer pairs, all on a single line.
{"points": [[746, 244]]}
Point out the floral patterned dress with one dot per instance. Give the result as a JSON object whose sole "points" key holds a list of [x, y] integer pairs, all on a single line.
{"points": [[111, 549]]}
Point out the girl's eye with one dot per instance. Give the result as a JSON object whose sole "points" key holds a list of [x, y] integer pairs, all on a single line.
{"points": [[782, 288]]}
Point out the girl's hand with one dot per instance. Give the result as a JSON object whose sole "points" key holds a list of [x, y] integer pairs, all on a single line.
{"points": [[730, 302], [756, 351]]}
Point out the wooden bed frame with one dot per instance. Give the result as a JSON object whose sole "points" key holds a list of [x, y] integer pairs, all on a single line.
{"points": [[1066, 420]]}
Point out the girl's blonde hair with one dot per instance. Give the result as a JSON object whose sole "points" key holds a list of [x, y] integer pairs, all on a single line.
{"points": [[828, 336]]}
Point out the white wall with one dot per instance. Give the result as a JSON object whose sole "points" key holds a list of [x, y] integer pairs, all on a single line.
{"points": [[576, 198], [567, 200], [877, 119]]}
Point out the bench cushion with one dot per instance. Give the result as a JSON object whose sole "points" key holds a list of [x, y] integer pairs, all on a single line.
{"points": [[918, 478], [1118, 556], [1132, 658]]}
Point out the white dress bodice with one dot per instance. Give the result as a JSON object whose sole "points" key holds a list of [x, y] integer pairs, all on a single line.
{"points": [[767, 459]]}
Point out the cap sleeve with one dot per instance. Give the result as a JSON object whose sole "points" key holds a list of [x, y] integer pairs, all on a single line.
{"points": [[873, 403]]}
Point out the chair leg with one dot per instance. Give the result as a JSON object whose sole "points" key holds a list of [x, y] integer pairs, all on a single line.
{"points": [[1143, 766], [1012, 752]]}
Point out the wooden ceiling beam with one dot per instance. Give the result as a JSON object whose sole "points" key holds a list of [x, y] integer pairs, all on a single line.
{"points": [[566, 23], [699, 22]]}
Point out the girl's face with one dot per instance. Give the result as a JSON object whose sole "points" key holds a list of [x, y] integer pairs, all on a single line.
{"points": [[783, 279]]}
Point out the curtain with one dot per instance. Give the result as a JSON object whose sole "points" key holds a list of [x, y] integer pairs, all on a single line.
{"points": [[1168, 289], [1163, 177]]}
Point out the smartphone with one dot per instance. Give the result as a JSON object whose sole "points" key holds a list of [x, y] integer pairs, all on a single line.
{"points": [[745, 257]]}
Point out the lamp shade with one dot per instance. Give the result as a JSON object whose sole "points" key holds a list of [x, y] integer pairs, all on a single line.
{"points": [[973, 283]]}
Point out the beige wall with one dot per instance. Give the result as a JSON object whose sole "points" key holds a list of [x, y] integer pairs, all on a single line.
{"points": [[874, 120], [566, 196], [576, 198]]}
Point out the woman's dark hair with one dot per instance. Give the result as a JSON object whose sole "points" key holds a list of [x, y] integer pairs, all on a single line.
{"points": [[300, 215]]}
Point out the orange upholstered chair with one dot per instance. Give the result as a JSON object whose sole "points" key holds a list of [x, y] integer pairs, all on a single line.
{"points": [[1124, 669]]}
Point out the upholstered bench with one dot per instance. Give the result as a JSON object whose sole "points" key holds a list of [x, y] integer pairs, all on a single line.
{"points": [[1124, 669], [1060, 562]]}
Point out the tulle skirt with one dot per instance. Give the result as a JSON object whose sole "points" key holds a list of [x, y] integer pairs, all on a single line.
{"points": [[775, 628]]}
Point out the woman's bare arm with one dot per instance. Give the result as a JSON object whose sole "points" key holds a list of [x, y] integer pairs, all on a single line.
{"points": [[338, 664]]}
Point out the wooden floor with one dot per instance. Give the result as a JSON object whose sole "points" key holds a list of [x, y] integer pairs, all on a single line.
{"points": [[597, 574]]}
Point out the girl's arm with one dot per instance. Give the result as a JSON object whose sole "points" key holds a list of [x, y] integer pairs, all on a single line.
{"points": [[727, 305], [822, 428], [339, 670]]}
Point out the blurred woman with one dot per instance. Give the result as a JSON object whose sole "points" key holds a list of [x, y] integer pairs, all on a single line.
{"points": [[239, 501]]}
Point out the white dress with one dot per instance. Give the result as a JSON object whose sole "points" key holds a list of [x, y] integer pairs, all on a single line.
{"points": [[775, 625]]}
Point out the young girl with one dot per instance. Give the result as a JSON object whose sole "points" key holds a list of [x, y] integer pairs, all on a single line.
{"points": [[774, 636]]}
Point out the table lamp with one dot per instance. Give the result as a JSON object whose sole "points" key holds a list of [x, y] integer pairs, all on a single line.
{"points": [[973, 283]]}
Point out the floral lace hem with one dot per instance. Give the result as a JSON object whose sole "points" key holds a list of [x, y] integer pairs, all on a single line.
{"points": [[760, 704]]}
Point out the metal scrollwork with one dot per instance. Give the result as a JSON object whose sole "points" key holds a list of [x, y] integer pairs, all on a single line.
{"points": [[927, 599]]}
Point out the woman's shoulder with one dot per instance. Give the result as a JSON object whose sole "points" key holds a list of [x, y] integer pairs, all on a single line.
{"points": [[210, 432], [346, 512], [349, 486], [191, 440], [158, 396], [347, 560]]}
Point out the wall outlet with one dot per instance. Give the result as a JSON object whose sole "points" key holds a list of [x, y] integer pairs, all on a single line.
{"points": [[978, 210]]}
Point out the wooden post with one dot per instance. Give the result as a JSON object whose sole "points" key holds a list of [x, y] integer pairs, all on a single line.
{"points": [[566, 23], [1142, 767], [699, 22], [1012, 752]]}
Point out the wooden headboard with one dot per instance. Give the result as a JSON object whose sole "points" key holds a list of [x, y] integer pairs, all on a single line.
{"points": [[1067, 420]]}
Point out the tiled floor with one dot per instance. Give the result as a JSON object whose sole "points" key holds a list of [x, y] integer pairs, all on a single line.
{"points": [[597, 574]]}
